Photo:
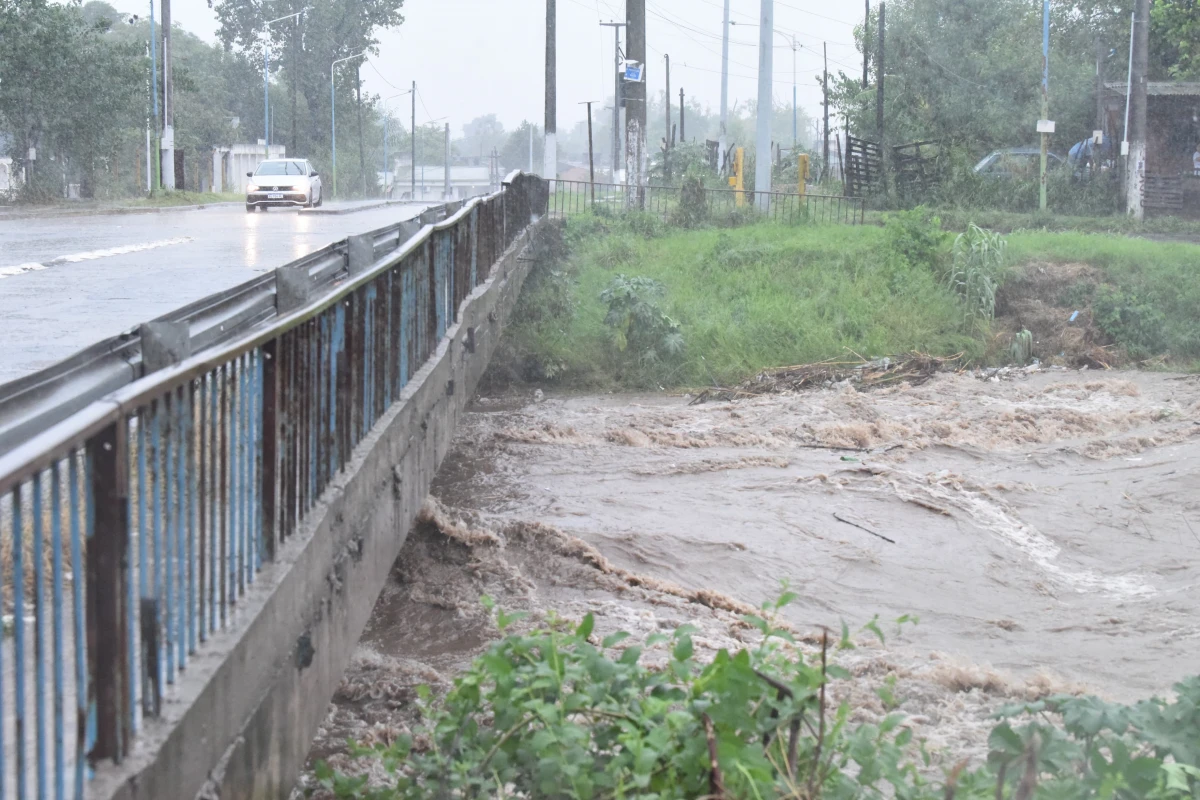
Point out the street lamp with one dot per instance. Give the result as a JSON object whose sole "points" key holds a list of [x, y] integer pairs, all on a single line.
{"points": [[387, 124], [266, 64], [333, 112]]}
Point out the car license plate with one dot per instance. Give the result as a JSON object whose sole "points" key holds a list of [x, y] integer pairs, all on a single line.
{"points": [[275, 196]]}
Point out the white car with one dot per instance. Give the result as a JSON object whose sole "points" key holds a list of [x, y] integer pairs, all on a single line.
{"points": [[287, 182]]}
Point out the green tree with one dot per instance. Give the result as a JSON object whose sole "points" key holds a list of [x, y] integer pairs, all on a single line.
{"points": [[303, 50], [68, 90]]}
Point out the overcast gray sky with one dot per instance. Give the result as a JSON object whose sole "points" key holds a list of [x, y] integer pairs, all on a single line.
{"points": [[473, 57]]}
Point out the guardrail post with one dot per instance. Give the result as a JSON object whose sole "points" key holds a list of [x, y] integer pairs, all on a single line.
{"points": [[362, 253], [164, 344], [292, 288], [107, 557]]}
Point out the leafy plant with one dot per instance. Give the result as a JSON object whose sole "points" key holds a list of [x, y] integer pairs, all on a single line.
{"points": [[561, 713], [915, 235], [638, 324], [976, 271], [1131, 320]]}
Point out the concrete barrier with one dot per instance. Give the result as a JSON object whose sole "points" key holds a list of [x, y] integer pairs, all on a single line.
{"points": [[241, 720]]}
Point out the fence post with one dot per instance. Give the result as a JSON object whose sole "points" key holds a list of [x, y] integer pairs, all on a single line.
{"points": [[270, 445], [107, 557]]}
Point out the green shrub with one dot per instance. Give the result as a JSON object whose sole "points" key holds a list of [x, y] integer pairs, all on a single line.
{"points": [[915, 235], [638, 325], [1131, 320], [561, 714]]}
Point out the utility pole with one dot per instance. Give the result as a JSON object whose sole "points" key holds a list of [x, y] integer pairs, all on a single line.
{"points": [[825, 92], [667, 130], [362, 153], [413, 143], [550, 152], [446, 175], [721, 138], [531, 127], [617, 80], [1101, 56], [168, 131], [866, 42], [1135, 161], [156, 166], [682, 135], [635, 101], [766, 71], [880, 63], [591, 153], [1045, 125], [795, 116]]}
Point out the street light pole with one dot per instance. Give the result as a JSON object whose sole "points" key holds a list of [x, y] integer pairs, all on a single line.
{"points": [[333, 114], [266, 72]]}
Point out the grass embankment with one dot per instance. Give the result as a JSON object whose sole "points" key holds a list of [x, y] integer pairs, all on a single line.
{"points": [[717, 306], [744, 299], [167, 199]]}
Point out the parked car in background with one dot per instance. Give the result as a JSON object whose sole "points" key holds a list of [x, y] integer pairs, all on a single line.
{"points": [[1016, 162], [283, 182]]}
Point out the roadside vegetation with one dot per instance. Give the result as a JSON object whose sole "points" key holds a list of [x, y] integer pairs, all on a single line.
{"points": [[629, 302], [560, 712]]}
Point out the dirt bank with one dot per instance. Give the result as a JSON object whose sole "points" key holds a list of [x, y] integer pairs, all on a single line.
{"points": [[1040, 527]]}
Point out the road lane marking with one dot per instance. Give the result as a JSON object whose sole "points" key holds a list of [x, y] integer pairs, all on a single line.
{"points": [[35, 266]]}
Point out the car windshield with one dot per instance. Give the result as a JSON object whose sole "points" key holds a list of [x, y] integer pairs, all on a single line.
{"points": [[280, 168]]}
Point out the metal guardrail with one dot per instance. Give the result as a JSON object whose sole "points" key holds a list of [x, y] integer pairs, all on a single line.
{"points": [[577, 197], [37, 401], [131, 529]]}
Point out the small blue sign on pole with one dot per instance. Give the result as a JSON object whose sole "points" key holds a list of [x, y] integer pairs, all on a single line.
{"points": [[633, 72]]}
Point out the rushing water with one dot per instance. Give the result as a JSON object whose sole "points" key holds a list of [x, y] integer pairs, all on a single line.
{"points": [[1045, 530]]}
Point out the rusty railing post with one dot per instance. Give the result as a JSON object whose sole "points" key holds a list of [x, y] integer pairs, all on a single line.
{"points": [[270, 447], [107, 562]]}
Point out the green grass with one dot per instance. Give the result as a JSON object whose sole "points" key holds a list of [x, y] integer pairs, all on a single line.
{"points": [[745, 299], [1162, 278], [165, 199]]}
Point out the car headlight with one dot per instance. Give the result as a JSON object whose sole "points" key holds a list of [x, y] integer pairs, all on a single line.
{"points": [[251, 187]]}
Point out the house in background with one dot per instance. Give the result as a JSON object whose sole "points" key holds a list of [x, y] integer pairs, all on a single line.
{"points": [[230, 164], [1173, 135]]}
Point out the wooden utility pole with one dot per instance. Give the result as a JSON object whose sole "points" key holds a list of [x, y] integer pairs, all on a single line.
{"points": [[635, 100], [362, 152], [880, 63], [866, 42], [667, 130], [1135, 162], [446, 175], [550, 129], [1045, 125], [682, 134], [825, 92], [591, 153]]}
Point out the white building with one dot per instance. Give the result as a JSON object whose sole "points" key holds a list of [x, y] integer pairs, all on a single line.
{"points": [[230, 164]]}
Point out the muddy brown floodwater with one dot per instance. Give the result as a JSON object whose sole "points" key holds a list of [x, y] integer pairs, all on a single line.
{"points": [[1040, 526]]}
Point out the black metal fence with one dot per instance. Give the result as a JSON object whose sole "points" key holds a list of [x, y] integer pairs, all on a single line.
{"points": [[132, 529], [674, 203]]}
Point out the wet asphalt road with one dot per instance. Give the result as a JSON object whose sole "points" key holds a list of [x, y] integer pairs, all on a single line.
{"points": [[67, 283]]}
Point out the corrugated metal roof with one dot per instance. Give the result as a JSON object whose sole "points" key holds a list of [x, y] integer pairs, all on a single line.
{"points": [[1162, 88]]}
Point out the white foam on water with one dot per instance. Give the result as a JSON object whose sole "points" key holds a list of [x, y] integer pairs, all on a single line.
{"points": [[91, 255]]}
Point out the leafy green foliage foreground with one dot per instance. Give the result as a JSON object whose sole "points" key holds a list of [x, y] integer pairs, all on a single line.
{"points": [[557, 714]]}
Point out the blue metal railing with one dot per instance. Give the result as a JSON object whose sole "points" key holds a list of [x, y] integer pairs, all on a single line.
{"points": [[132, 530]]}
